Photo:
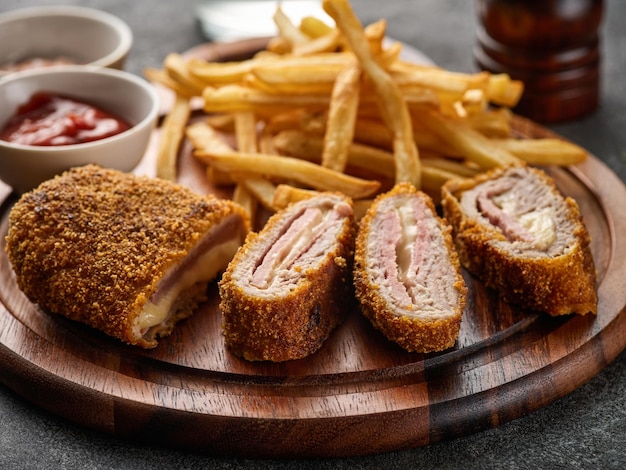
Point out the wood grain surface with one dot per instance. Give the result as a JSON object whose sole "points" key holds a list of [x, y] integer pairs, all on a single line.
{"points": [[359, 394]]}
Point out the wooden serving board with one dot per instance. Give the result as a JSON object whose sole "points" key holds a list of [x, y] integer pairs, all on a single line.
{"points": [[359, 394]]}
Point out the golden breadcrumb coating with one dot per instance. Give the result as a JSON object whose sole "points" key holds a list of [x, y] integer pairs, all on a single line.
{"points": [[93, 243], [409, 329], [557, 284], [291, 324]]}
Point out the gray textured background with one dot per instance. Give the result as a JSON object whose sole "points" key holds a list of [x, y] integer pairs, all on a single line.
{"points": [[584, 430]]}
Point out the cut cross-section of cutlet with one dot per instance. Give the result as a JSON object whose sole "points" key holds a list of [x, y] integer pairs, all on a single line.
{"points": [[407, 275]]}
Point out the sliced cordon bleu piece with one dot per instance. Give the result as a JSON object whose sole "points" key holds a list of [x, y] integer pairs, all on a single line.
{"points": [[128, 255], [517, 233], [290, 285], [407, 275]]}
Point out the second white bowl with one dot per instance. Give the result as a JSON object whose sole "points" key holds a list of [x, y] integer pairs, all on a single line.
{"points": [[85, 36]]}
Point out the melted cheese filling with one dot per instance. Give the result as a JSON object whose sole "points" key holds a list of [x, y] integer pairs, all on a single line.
{"points": [[404, 252], [204, 269], [539, 223]]}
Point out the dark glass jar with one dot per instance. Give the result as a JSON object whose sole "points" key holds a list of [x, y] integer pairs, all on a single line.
{"points": [[553, 46]]}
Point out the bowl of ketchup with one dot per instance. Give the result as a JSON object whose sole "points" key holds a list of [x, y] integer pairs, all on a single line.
{"points": [[53, 119]]}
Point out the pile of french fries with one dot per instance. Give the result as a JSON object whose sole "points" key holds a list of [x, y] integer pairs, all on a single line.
{"points": [[336, 108]]}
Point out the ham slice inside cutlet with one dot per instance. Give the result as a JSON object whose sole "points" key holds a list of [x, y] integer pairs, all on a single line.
{"points": [[407, 275], [518, 234], [409, 258], [290, 284], [522, 210], [302, 243]]}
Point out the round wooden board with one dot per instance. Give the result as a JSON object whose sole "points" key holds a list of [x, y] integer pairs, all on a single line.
{"points": [[359, 394]]}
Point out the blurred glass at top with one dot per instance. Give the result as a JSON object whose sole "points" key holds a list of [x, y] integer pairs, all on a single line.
{"points": [[230, 20]]}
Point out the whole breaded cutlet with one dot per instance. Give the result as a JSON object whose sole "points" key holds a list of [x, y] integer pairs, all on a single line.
{"points": [[127, 255]]}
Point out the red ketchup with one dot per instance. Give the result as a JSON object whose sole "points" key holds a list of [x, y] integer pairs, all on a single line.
{"points": [[49, 119]]}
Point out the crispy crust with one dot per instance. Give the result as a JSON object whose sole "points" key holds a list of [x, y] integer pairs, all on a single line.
{"points": [[93, 244], [410, 332], [292, 325], [557, 285]]}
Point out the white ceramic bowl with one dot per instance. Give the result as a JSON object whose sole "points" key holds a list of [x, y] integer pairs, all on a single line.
{"points": [[121, 93], [83, 35]]}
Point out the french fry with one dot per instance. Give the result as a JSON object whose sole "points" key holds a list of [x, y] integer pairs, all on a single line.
{"points": [[287, 29], [389, 55], [335, 108], [266, 54], [246, 191], [172, 133], [473, 102], [375, 34], [456, 168], [292, 119], [204, 137], [235, 98], [492, 122], [299, 144], [285, 194], [543, 151], [327, 43], [394, 109], [246, 199], [304, 146], [428, 140], [321, 68], [284, 88], [301, 119], [246, 132], [222, 73], [220, 178], [502, 90], [342, 115], [266, 143], [221, 122], [162, 77], [176, 67], [286, 168], [433, 179], [469, 143], [375, 133], [419, 96], [314, 27], [260, 188], [374, 161], [437, 79], [314, 122], [279, 45]]}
